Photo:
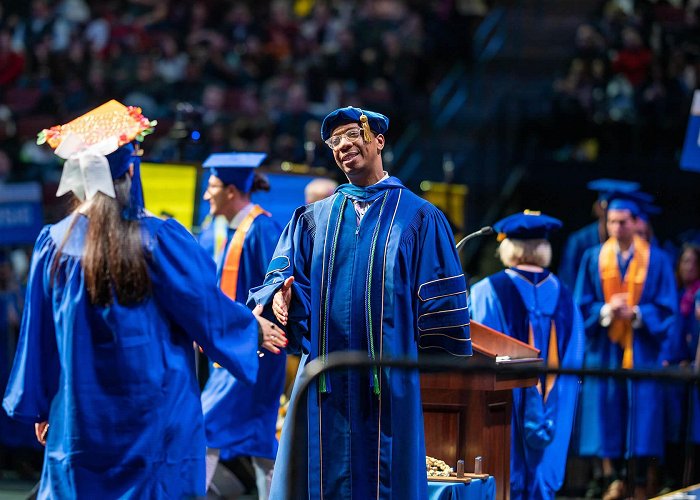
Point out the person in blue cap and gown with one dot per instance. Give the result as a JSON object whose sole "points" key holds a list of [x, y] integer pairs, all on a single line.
{"points": [[105, 362], [372, 268], [240, 418], [594, 233], [626, 292], [682, 414], [527, 302]]}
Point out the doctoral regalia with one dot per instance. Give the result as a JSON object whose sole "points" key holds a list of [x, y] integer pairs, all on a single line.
{"points": [[536, 309], [391, 286]]}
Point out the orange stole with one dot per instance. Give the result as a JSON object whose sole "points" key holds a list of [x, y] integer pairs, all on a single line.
{"points": [[232, 260], [620, 330], [552, 359], [229, 273]]}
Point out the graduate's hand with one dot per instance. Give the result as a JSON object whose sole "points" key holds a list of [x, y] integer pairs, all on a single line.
{"points": [[624, 312], [618, 301], [281, 301], [272, 337], [41, 429]]}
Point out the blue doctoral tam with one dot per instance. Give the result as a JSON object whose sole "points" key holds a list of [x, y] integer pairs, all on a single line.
{"points": [[526, 225], [377, 121], [606, 187], [235, 168]]}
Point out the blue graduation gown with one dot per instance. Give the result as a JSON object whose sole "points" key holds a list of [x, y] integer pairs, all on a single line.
{"points": [[574, 248], [680, 345], [511, 301], [117, 384], [617, 418], [240, 419], [391, 287]]}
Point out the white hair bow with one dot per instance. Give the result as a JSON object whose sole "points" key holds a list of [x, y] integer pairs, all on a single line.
{"points": [[86, 170]]}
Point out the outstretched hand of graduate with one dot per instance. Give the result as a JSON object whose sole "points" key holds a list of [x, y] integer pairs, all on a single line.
{"points": [[271, 337], [41, 429], [281, 301]]}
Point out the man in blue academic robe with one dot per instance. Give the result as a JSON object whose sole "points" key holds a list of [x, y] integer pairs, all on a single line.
{"points": [[372, 268], [240, 419], [527, 302], [626, 292], [592, 234]]}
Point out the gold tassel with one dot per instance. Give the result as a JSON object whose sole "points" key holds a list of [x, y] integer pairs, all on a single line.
{"points": [[365, 128]]}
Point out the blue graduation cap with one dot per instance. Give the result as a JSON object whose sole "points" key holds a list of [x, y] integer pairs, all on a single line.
{"points": [[526, 225], [633, 201], [647, 210], [606, 187], [368, 120], [235, 168]]}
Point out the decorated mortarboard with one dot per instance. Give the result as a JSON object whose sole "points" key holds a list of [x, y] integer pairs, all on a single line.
{"points": [[633, 201], [368, 121], [526, 225], [605, 187], [112, 120], [235, 168], [97, 147]]}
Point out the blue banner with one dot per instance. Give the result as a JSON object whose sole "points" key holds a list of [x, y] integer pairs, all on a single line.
{"points": [[690, 156], [21, 214]]}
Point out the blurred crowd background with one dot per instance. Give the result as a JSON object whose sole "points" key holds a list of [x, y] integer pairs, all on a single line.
{"points": [[521, 101]]}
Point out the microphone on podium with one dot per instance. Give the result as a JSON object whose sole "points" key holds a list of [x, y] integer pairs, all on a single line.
{"points": [[481, 232]]}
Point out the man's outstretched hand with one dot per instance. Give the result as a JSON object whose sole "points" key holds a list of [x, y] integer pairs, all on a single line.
{"points": [[281, 301], [272, 337]]}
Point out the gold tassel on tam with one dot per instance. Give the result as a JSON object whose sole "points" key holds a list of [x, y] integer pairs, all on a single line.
{"points": [[365, 128]]}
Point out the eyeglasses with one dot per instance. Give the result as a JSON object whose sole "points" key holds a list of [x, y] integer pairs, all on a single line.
{"points": [[212, 187], [351, 135]]}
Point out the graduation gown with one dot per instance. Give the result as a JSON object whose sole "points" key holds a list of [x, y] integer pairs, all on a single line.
{"points": [[513, 301], [117, 384], [574, 248], [240, 419], [680, 346], [618, 417], [391, 286]]}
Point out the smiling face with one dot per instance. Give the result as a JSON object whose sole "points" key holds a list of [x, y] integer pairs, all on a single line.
{"points": [[219, 196], [360, 161]]}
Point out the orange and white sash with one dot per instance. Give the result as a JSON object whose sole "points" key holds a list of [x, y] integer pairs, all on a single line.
{"points": [[232, 260], [620, 330]]}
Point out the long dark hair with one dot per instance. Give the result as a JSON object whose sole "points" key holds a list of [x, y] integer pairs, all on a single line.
{"points": [[260, 182], [113, 261]]}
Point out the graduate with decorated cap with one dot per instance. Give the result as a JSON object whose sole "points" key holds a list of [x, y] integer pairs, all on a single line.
{"points": [[627, 295], [115, 297], [372, 268], [527, 302], [594, 233], [240, 418]]}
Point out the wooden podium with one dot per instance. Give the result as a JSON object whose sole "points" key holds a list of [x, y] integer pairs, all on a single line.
{"points": [[467, 415]]}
